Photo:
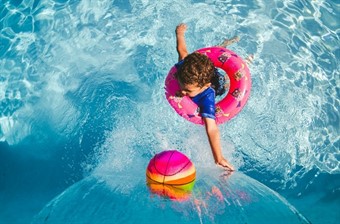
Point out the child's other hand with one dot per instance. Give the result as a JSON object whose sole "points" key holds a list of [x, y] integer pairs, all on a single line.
{"points": [[179, 93], [181, 28], [225, 164]]}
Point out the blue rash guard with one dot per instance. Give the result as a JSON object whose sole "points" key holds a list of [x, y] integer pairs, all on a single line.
{"points": [[206, 102]]}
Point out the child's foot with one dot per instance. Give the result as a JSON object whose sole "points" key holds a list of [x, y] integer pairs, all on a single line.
{"points": [[228, 42], [181, 28], [225, 164], [249, 59]]}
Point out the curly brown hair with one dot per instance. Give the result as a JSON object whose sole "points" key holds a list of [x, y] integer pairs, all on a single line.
{"points": [[196, 68]]}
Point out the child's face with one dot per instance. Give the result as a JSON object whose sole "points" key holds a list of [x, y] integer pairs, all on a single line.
{"points": [[192, 90]]}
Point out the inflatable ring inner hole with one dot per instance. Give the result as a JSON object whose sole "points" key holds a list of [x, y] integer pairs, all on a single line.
{"points": [[226, 84]]}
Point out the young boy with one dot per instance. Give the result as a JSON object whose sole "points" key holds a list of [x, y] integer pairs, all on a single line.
{"points": [[194, 74]]}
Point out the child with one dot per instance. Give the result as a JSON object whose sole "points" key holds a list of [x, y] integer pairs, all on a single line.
{"points": [[194, 74]]}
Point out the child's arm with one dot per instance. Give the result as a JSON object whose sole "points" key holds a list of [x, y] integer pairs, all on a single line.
{"points": [[180, 41], [215, 143]]}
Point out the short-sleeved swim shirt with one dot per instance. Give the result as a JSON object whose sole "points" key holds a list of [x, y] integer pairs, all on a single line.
{"points": [[206, 103]]}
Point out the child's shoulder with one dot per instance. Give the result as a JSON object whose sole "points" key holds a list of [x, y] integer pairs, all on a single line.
{"points": [[179, 64], [209, 91], [207, 96], [210, 94]]}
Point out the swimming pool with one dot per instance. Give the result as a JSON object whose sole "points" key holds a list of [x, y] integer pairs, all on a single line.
{"points": [[82, 97]]}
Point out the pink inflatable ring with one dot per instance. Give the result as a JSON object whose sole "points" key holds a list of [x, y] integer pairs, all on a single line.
{"points": [[231, 104]]}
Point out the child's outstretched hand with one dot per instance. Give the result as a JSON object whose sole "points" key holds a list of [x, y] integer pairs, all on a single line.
{"points": [[225, 164]]}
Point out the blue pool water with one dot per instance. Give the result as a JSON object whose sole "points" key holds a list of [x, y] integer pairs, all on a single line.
{"points": [[82, 110]]}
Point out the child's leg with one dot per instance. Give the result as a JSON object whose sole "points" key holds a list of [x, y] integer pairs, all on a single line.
{"points": [[227, 42], [249, 59]]}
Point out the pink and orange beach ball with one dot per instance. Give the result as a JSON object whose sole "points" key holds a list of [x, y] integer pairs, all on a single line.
{"points": [[171, 174]]}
